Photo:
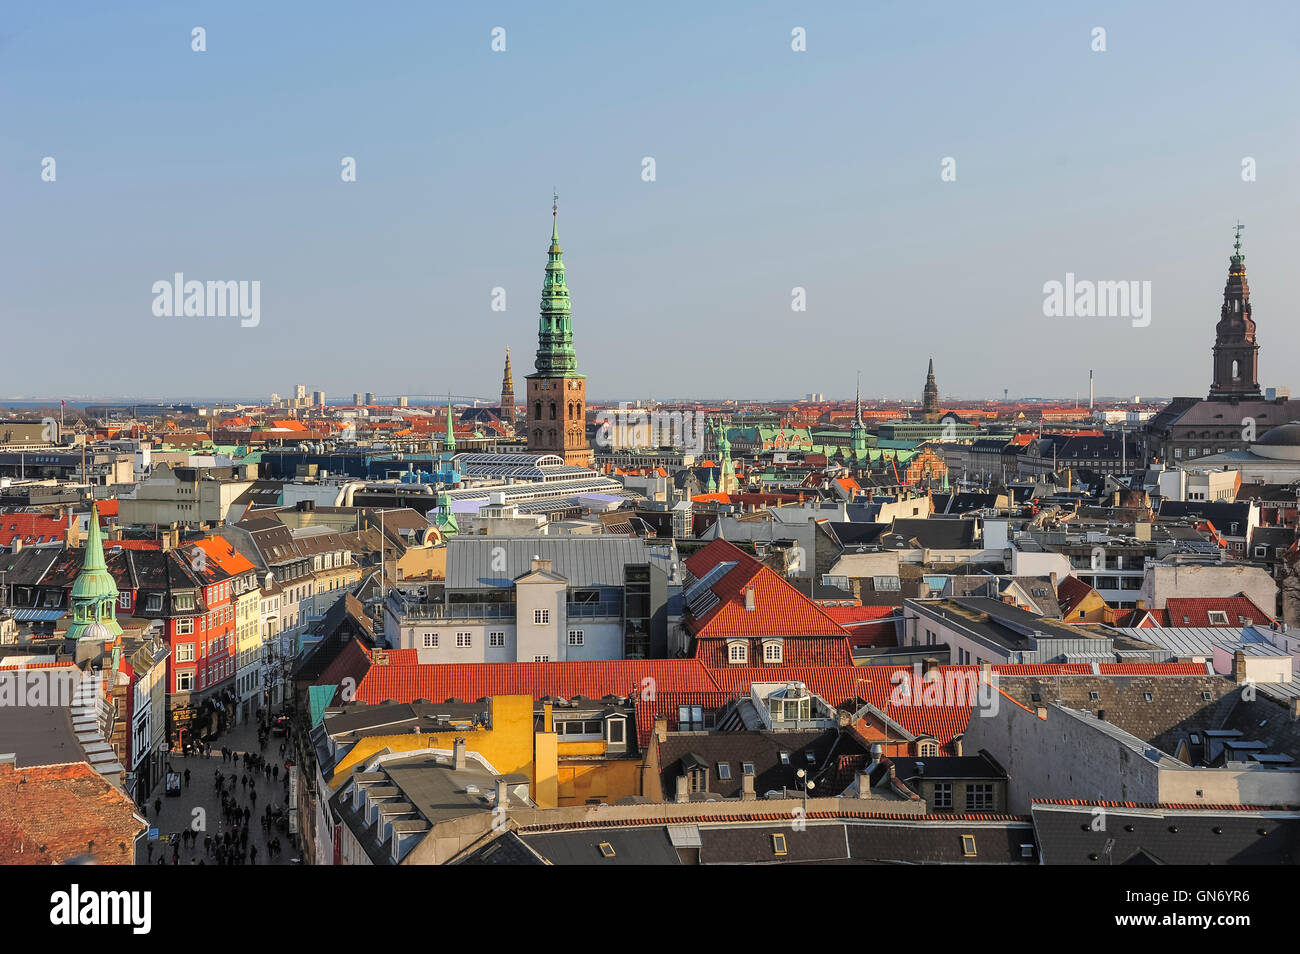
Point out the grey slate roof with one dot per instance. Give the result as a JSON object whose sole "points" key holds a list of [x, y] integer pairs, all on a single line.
{"points": [[631, 846], [1166, 836]]}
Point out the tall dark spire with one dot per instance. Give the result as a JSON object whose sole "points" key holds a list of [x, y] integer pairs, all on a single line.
{"points": [[507, 408], [930, 395], [1236, 352]]}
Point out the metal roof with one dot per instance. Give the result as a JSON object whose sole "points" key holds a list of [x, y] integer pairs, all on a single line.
{"points": [[1202, 640], [496, 561]]}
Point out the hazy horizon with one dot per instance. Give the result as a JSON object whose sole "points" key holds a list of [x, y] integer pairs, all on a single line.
{"points": [[774, 170]]}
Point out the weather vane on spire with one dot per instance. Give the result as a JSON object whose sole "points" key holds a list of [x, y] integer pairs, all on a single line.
{"points": [[555, 203]]}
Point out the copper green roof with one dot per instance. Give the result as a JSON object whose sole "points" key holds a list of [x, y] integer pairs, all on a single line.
{"points": [[94, 592]]}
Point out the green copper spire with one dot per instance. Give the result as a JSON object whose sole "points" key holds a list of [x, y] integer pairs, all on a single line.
{"points": [[858, 432], [94, 592], [1237, 257], [449, 442], [446, 520], [555, 354]]}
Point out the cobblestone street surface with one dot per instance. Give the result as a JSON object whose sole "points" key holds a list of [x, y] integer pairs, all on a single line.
{"points": [[199, 807]]}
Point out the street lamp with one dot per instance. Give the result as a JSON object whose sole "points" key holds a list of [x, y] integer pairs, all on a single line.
{"points": [[808, 784]]}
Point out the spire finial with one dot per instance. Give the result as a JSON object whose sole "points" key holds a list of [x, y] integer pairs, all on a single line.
{"points": [[1237, 244]]}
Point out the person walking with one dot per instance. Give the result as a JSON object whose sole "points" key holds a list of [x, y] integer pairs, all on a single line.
{"points": [[187, 778], [252, 853], [252, 796], [157, 807]]}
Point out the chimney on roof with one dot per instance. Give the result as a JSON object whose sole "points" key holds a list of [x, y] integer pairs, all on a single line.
{"points": [[503, 793], [661, 728], [1239, 666], [683, 790], [458, 754], [928, 665], [1140, 604], [864, 784], [539, 564], [749, 599], [548, 717], [747, 788], [1041, 712]]}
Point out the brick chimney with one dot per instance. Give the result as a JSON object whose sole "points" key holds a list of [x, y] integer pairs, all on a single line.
{"points": [[750, 603], [747, 788], [458, 754], [683, 790], [1239, 666], [503, 792]]}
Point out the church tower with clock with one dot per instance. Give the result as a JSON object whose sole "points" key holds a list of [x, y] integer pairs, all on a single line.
{"points": [[557, 393]]}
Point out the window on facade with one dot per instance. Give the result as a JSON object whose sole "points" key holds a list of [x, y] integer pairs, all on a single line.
{"points": [[724, 771], [736, 653], [747, 768], [184, 601], [464, 640], [1218, 618], [430, 641], [968, 846], [927, 749], [541, 659], [779, 845], [772, 652], [979, 797], [616, 731], [541, 617], [124, 600], [184, 627], [185, 652], [943, 795], [185, 680], [497, 639], [576, 637]]}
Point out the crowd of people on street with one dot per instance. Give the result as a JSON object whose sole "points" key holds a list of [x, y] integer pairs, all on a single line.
{"points": [[237, 789]]}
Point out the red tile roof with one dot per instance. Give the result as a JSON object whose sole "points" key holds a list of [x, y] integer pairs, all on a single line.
{"points": [[1071, 592], [439, 682], [1187, 611], [667, 704], [795, 651], [874, 684], [780, 609], [33, 528], [53, 813]]}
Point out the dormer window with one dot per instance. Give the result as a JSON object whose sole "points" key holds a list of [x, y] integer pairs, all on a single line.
{"points": [[772, 651], [1218, 618], [738, 651]]}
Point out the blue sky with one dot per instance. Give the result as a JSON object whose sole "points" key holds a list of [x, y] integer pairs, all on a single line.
{"points": [[774, 169]]}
